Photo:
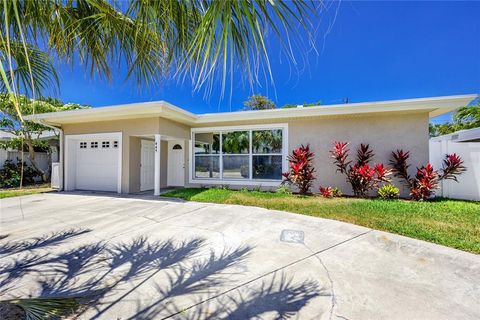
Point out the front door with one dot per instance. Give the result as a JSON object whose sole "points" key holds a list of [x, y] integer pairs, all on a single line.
{"points": [[176, 164], [147, 165]]}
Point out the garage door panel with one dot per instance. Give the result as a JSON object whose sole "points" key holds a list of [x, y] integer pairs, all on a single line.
{"points": [[84, 183], [96, 168], [97, 171]]}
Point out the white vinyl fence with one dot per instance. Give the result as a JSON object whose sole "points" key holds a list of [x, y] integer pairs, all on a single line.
{"points": [[468, 186], [42, 158]]}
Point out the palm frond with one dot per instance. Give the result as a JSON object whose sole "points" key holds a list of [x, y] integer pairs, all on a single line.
{"points": [[32, 69], [157, 40], [46, 308], [468, 114], [236, 31]]}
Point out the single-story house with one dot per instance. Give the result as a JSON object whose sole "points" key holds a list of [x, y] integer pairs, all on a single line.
{"points": [[465, 143], [148, 146]]}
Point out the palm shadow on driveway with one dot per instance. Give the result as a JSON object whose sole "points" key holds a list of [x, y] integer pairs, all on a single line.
{"points": [[104, 275]]}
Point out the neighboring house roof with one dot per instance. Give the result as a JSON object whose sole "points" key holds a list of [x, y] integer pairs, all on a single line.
{"points": [[45, 135], [468, 135], [434, 106]]}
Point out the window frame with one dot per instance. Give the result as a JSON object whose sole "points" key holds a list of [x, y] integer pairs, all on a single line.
{"points": [[243, 181]]}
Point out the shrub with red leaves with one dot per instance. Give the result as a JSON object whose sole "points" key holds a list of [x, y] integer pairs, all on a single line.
{"points": [[340, 155], [361, 176], [425, 182], [326, 192], [399, 163], [452, 167], [301, 170], [364, 154]]}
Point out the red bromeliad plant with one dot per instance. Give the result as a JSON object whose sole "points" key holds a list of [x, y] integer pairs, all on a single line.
{"points": [[423, 185], [326, 192], [361, 176], [301, 171]]}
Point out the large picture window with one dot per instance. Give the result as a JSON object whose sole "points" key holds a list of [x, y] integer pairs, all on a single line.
{"points": [[254, 154]]}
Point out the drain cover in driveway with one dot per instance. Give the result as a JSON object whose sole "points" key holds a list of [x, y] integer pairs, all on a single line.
{"points": [[292, 236]]}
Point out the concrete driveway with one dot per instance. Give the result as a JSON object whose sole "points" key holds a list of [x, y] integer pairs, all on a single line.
{"points": [[143, 259]]}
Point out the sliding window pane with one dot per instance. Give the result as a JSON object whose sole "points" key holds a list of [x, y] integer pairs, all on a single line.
{"points": [[237, 142], [207, 167], [207, 143], [235, 167], [267, 167], [267, 141]]}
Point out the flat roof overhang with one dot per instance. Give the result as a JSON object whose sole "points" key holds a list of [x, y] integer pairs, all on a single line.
{"points": [[435, 106], [116, 112]]}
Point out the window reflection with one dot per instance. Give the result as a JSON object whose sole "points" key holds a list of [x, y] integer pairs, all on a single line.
{"points": [[237, 142], [267, 141]]}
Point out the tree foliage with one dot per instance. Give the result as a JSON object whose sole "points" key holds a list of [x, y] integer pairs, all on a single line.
{"points": [[305, 105], [258, 102], [28, 133], [467, 117]]}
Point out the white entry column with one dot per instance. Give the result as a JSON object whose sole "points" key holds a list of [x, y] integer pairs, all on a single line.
{"points": [[156, 190]]}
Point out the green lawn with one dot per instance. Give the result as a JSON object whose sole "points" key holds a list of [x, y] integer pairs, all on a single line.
{"points": [[15, 192], [452, 223]]}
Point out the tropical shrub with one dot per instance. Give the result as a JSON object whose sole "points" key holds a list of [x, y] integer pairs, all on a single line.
{"points": [[10, 174], [283, 190], [336, 192], [423, 185], [301, 170], [326, 192], [389, 191], [361, 176]]}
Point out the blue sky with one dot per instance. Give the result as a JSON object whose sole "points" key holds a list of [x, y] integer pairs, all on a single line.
{"points": [[366, 51]]}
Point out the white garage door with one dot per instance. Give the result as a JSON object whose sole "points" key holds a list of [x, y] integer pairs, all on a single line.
{"points": [[97, 164]]}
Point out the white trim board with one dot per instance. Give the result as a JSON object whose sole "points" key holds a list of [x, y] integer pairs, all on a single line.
{"points": [[282, 125], [75, 137]]}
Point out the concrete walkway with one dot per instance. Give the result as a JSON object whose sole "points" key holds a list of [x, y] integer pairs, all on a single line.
{"points": [[154, 259]]}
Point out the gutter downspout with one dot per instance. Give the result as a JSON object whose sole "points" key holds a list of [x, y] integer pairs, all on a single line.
{"points": [[60, 151]]}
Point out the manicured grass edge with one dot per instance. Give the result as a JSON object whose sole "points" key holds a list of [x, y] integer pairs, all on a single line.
{"points": [[447, 222], [28, 190]]}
